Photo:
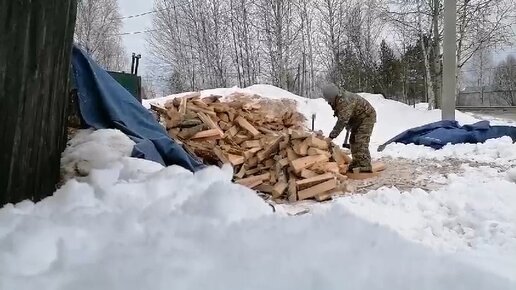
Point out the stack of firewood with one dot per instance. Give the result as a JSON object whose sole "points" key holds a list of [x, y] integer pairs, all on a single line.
{"points": [[264, 140]]}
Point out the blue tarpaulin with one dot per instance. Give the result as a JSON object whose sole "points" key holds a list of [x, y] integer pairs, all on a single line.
{"points": [[104, 103], [438, 134]]}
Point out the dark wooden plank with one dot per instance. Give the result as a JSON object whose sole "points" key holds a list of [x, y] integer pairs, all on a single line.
{"points": [[36, 39]]}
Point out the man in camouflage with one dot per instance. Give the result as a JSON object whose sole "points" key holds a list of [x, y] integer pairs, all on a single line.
{"points": [[356, 114]]}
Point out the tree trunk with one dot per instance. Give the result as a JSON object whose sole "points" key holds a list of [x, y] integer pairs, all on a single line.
{"points": [[36, 40], [437, 56], [428, 78]]}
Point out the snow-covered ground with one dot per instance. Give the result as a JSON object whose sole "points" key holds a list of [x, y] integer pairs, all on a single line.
{"points": [[125, 223]]}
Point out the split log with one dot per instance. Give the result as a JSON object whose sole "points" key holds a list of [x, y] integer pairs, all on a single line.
{"points": [[323, 197], [246, 125], [173, 122], [253, 171], [265, 188], [208, 121], [241, 172], [291, 155], [253, 179], [305, 183], [201, 104], [239, 138], [316, 151], [296, 134], [182, 106], [268, 163], [190, 123], [304, 162], [251, 152], [232, 131], [272, 148], [340, 156], [279, 189], [188, 133], [224, 117], [159, 109], [323, 167], [235, 159], [252, 162], [307, 173], [194, 108], [251, 144], [221, 156], [317, 189], [283, 162], [313, 141], [212, 133]]}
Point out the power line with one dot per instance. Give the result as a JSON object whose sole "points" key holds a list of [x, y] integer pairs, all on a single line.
{"points": [[134, 32], [136, 15], [164, 9], [143, 13]]}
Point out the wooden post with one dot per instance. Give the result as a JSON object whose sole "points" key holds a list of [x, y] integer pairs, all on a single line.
{"points": [[35, 47]]}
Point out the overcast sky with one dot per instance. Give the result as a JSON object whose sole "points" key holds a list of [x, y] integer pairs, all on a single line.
{"points": [[136, 42]]}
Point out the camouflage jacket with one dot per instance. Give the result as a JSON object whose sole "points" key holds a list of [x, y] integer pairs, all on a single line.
{"points": [[351, 110]]}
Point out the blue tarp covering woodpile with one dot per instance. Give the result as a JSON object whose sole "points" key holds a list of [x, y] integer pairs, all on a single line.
{"points": [[104, 103]]}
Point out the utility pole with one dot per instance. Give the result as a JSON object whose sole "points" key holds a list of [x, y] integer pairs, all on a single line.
{"points": [[449, 60]]}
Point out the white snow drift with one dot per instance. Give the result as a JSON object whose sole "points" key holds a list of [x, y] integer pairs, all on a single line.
{"points": [[167, 228]]}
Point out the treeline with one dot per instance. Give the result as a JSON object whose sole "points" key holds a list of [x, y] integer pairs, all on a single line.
{"points": [[391, 47]]}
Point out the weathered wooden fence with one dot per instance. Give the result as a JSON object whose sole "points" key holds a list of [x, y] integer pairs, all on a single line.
{"points": [[35, 47]]}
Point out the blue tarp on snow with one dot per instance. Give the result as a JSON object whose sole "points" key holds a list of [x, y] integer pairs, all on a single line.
{"points": [[438, 134], [104, 103]]}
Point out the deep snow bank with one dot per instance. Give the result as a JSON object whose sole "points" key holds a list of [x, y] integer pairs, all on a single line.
{"points": [[501, 151], [473, 215], [141, 226]]}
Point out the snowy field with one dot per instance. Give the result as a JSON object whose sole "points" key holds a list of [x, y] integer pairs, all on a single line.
{"points": [[132, 224]]}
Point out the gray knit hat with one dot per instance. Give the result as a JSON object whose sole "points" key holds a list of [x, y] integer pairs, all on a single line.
{"points": [[330, 92]]}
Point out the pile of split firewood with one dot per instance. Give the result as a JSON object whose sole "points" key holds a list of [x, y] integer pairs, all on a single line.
{"points": [[265, 141]]}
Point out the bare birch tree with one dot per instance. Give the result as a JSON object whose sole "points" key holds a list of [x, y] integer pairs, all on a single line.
{"points": [[505, 80], [97, 30], [191, 38], [332, 14], [490, 17], [278, 33], [246, 56], [306, 75]]}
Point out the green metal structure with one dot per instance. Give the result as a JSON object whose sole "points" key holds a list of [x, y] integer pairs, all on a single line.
{"points": [[130, 82]]}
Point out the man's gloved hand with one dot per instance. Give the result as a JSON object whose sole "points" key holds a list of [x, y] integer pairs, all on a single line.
{"points": [[333, 135]]}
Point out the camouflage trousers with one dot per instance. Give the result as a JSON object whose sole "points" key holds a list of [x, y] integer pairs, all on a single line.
{"points": [[359, 142]]}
